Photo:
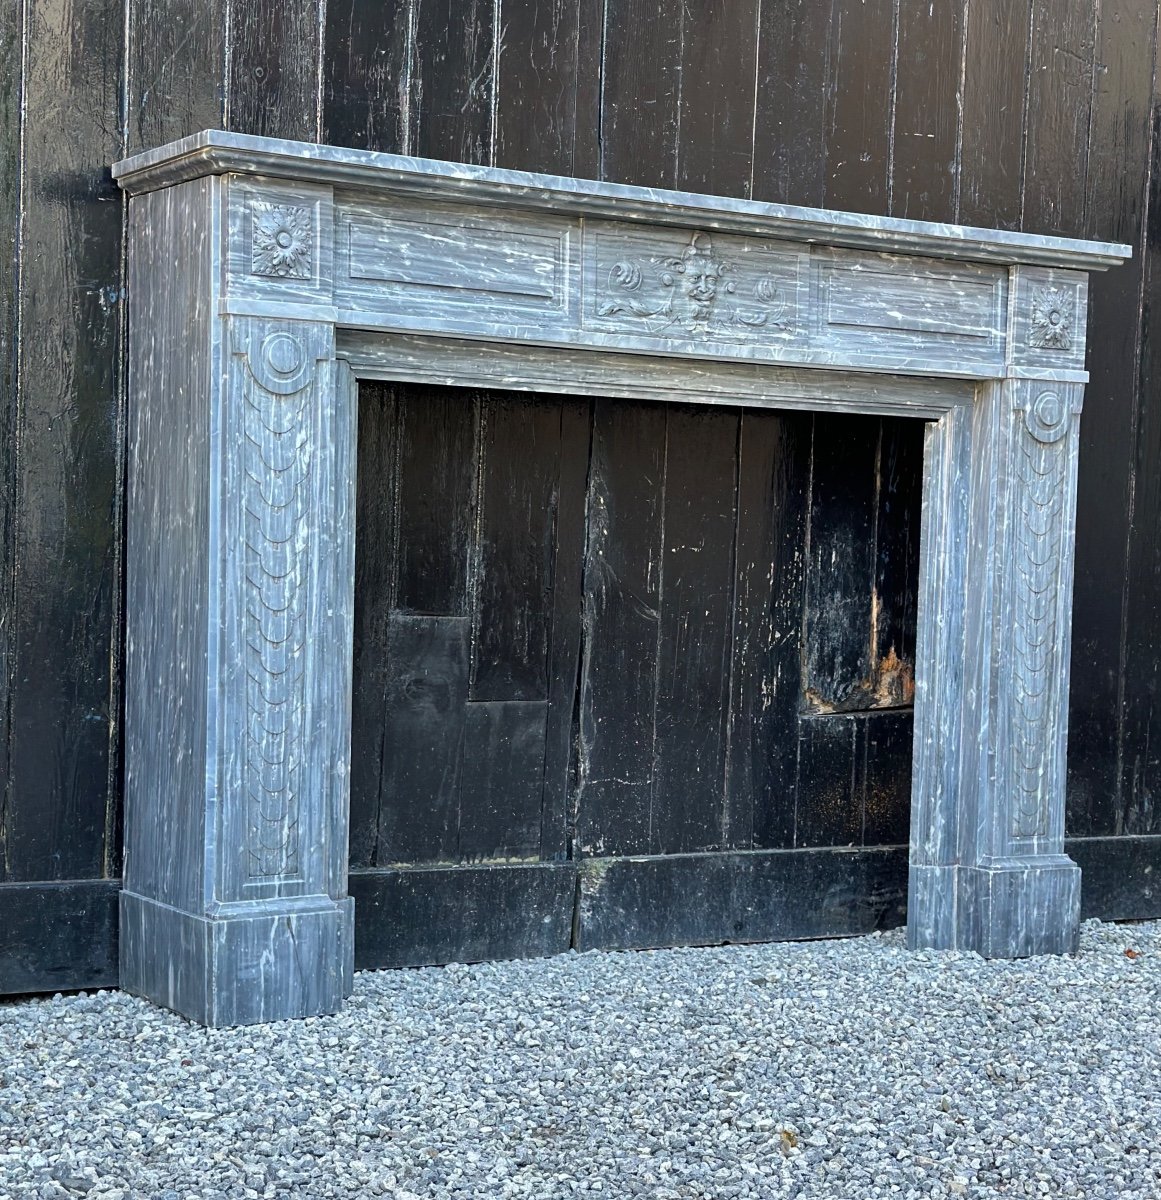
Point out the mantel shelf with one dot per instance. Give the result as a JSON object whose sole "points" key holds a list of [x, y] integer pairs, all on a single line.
{"points": [[216, 152]]}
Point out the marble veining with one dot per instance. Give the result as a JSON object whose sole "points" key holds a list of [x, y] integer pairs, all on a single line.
{"points": [[277, 533], [309, 267]]}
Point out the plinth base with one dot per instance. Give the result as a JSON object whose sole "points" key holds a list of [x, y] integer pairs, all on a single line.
{"points": [[280, 960], [1007, 909]]}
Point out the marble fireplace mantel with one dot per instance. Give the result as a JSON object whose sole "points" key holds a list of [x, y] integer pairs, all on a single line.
{"points": [[266, 277]]}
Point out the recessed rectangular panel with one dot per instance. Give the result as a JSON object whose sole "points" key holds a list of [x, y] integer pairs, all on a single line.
{"points": [[862, 296], [881, 306], [424, 266], [453, 255]]}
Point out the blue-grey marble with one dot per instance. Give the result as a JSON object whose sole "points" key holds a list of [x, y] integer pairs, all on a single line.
{"points": [[267, 277]]}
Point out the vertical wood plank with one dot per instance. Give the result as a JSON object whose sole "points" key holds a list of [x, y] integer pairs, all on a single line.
{"points": [[642, 89], [692, 701], [719, 51], [437, 476], [590, 89], [514, 535], [11, 91], [1138, 810], [376, 502], [840, 569], [994, 104], [791, 118], [1119, 151], [829, 808], [898, 476], [427, 693], [860, 87], [453, 82], [766, 672], [69, 433], [885, 786], [367, 69], [272, 75], [537, 85], [502, 780], [1059, 104], [564, 655], [622, 592], [925, 133], [177, 65]]}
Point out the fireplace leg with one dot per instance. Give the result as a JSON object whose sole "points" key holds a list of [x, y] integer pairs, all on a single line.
{"points": [[241, 594], [988, 869]]}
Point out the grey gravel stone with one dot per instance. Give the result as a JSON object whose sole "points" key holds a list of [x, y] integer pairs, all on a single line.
{"points": [[822, 1069]]}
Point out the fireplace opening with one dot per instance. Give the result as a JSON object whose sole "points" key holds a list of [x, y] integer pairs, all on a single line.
{"points": [[627, 673]]}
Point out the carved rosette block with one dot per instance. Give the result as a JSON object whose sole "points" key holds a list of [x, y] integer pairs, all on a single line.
{"points": [[281, 240]]}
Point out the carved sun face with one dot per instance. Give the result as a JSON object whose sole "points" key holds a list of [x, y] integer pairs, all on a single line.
{"points": [[282, 241]]}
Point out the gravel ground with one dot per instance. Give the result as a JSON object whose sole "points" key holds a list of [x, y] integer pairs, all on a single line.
{"points": [[824, 1069]]}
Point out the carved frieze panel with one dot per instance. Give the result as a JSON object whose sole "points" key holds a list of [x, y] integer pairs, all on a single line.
{"points": [[692, 286]]}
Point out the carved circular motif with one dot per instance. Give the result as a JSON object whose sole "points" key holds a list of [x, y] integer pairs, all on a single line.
{"points": [[1047, 417], [282, 353], [625, 274]]}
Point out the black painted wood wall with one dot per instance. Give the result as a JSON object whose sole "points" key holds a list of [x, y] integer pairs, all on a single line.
{"points": [[1033, 114]]}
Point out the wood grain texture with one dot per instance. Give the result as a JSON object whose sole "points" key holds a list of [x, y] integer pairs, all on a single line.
{"points": [[621, 626], [63, 608], [272, 75], [176, 69], [925, 135], [1139, 765], [11, 84], [376, 517], [691, 703], [1103, 716], [462, 914], [453, 79], [790, 121], [766, 672], [708, 899], [539, 81], [368, 63], [1060, 86], [860, 91], [716, 112], [641, 77], [995, 122]]}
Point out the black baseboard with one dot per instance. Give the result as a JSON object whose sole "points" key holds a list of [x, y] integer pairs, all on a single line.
{"points": [[424, 915], [63, 936], [1120, 877], [58, 936], [755, 896]]}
